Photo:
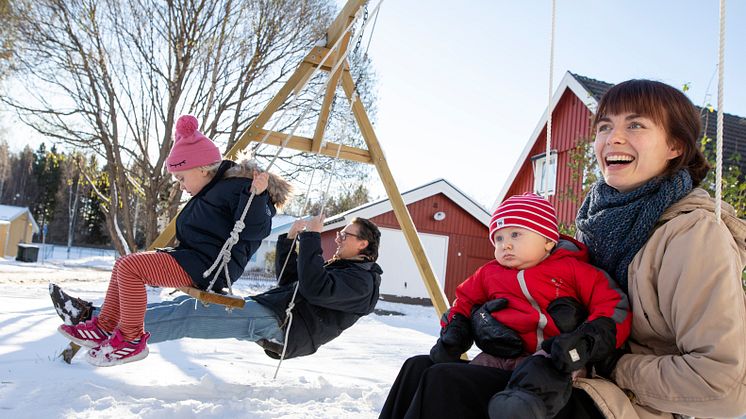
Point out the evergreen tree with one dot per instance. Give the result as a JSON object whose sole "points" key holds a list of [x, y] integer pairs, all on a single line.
{"points": [[46, 171]]}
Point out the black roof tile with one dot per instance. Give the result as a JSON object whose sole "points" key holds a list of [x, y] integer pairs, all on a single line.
{"points": [[734, 126]]}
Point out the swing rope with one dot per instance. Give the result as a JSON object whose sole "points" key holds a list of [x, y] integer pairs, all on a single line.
{"points": [[547, 156], [291, 304], [303, 211], [224, 256], [719, 136], [325, 195]]}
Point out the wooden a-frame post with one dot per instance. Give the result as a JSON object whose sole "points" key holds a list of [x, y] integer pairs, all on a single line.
{"points": [[373, 155]]}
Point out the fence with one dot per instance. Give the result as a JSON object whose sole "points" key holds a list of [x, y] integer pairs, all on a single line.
{"points": [[53, 251]]}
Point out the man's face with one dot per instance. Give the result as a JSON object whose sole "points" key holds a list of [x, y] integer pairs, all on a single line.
{"points": [[349, 243]]}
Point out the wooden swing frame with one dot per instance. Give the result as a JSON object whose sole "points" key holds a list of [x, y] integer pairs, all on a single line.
{"points": [[373, 155]]}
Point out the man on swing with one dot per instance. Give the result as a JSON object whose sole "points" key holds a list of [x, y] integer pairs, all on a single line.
{"points": [[331, 296]]}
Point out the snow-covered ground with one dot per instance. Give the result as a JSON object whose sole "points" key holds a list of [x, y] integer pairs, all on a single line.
{"points": [[347, 378]]}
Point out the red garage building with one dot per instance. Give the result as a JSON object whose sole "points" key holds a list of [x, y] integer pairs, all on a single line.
{"points": [[451, 226]]}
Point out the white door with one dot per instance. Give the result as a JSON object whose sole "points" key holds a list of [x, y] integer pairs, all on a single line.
{"points": [[400, 274]]}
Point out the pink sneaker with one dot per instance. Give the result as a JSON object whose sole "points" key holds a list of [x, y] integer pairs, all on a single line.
{"points": [[117, 351], [87, 334]]}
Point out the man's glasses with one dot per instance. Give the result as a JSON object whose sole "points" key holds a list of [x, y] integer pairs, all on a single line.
{"points": [[342, 235]]}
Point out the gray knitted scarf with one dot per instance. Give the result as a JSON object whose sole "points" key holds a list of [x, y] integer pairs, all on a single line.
{"points": [[615, 225]]}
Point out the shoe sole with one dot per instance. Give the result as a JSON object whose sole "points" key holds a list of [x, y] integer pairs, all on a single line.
{"points": [[103, 363], [73, 314], [81, 342]]}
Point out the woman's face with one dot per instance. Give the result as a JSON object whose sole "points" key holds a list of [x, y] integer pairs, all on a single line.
{"points": [[631, 149]]}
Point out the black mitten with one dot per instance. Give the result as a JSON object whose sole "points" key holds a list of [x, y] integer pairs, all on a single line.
{"points": [[455, 339], [493, 337], [567, 313], [590, 342]]}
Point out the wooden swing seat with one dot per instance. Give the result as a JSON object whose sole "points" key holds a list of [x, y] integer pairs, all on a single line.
{"points": [[230, 301]]}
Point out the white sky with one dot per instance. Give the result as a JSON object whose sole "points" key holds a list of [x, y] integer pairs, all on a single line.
{"points": [[462, 85]]}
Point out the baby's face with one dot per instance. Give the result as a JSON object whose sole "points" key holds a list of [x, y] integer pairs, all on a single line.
{"points": [[520, 248]]}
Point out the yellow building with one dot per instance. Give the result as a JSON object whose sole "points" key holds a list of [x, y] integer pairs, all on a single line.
{"points": [[17, 225]]}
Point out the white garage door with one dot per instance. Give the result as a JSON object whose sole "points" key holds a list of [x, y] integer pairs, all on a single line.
{"points": [[400, 274]]}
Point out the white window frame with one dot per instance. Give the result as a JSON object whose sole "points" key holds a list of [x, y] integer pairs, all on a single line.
{"points": [[538, 163]]}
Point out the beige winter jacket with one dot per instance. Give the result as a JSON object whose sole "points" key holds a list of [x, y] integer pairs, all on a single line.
{"points": [[688, 320]]}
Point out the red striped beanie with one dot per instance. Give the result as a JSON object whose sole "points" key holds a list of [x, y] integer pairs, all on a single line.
{"points": [[528, 211]]}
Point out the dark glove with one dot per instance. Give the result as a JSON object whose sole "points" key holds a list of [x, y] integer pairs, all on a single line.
{"points": [[493, 337], [605, 366], [590, 342], [567, 313], [455, 339]]}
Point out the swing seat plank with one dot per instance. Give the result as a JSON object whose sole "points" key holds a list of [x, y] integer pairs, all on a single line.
{"points": [[232, 301]]}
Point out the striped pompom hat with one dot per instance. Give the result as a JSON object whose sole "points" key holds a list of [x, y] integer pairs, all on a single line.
{"points": [[529, 211]]}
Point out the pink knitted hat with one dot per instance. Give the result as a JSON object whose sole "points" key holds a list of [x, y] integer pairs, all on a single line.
{"points": [[191, 148], [528, 211]]}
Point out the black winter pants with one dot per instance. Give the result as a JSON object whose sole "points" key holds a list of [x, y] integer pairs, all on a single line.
{"points": [[424, 390]]}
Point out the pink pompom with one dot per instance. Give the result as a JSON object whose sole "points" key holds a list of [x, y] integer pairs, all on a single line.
{"points": [[186, 125]]}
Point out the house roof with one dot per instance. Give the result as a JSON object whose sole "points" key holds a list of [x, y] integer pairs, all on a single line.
{"points": [[10, 213], [590, 91], [383, 206], [734, 126], [569, 81]]}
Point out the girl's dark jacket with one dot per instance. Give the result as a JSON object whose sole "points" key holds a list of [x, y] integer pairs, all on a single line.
{"points": [[332, 295], [206, 221]]}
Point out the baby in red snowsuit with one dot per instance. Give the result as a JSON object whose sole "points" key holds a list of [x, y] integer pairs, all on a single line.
{"points": [[540, 292]]}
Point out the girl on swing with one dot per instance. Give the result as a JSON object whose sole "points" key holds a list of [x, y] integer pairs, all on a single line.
{"points": [[220, 190], [654, 231]]}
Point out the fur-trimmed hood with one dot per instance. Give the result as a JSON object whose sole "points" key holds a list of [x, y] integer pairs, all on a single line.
{"points": [[278, 188]]}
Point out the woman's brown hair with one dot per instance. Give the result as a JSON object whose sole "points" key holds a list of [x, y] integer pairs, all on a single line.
{"points": [[667, 107], [370, 232]]}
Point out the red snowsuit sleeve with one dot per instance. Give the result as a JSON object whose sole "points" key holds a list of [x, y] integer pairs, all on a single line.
{"points": [[469, 293], [603, 298]]}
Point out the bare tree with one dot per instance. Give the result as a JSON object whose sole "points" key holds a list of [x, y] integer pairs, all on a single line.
{"points": [[4, 165], [111, 78]]}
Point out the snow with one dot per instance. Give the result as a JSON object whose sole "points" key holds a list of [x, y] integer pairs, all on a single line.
{"points": [[349, 377]]}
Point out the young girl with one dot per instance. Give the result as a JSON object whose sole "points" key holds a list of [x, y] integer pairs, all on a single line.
{"points": [[220, 190]]}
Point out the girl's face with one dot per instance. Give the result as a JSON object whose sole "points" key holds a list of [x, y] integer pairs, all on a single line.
{"points": [[520, 248], [192, 180], [631, 149]]}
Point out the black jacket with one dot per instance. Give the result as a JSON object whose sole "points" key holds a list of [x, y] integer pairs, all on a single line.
{"points": [[206, 221], [332, 296]]}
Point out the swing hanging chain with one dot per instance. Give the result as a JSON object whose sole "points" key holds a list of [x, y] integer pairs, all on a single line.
{"points": [[719, 136], [548, 156], [222, 259]]}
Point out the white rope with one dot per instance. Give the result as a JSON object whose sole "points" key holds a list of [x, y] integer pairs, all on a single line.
{"points": [[224, 257], [291, 305], [719, 142], [316, 69], [548, 156]]}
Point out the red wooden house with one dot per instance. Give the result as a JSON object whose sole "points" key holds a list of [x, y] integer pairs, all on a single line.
{"points": [[573, 105], [451, 226]]}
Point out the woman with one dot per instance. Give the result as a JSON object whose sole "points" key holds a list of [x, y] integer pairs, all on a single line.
{"points": [[655, 232]]}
